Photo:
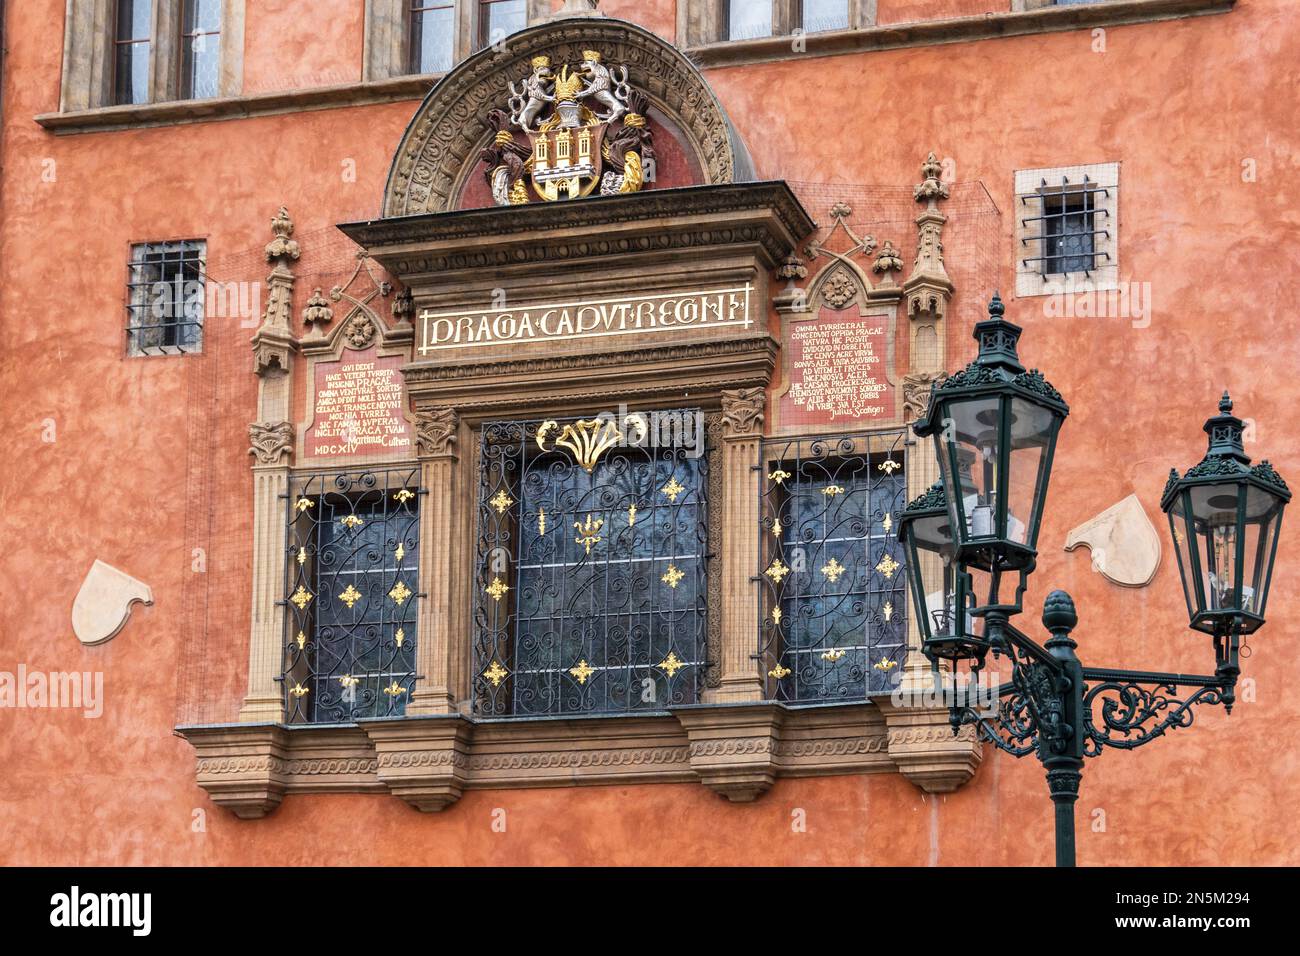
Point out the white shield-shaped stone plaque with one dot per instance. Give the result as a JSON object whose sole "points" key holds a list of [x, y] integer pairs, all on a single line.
{"points": [[103, 605]]}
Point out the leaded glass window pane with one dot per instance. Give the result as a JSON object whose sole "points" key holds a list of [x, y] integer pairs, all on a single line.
{"points": [[132, 35], [821, 15], [592, 583], [433, 36], [834, 603], [500, 18], [200, 48]]}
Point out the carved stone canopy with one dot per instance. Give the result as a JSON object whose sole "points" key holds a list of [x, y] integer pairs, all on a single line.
{"points": [[441, 147]]}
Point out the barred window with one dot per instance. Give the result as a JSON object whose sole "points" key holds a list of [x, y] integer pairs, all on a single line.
{"points": [[1067, 229], [500, 18], [200, 49], [132, 42], [166, 291], [352, 595], [433, 36], [592, 565], [834, 608]]}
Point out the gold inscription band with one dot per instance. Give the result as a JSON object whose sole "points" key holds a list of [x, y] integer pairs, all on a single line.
{"points": [[629, 315]]}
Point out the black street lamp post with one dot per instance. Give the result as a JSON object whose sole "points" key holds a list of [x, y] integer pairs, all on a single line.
{"points": [[995, 426]]}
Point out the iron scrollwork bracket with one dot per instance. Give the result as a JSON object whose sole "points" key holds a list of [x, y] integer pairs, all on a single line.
{"points": [[1139, 707]]}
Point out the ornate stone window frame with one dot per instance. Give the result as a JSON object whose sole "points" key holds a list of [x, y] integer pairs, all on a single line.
{"points": [[87, 80], [1029, 278]]}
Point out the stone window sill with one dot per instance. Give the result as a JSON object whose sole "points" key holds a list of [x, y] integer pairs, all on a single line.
{"points": [[737, 750], [954, 30], [179, 112]]}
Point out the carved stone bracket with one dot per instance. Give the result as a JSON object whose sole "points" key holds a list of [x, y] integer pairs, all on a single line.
{"points": [[733, 749], [916, 394], [923, 747], [742, 412], [243, 768], [271, 442], [435, 431], [423, 760]]}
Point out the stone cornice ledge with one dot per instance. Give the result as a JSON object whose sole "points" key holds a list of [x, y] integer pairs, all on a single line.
{"points": [[737, 750], [1053, 19], [178, 112]]}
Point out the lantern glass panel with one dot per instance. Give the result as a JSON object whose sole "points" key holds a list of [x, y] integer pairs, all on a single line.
{"points": [[968, 447], [1215, 511], [1263, 515], [1178, 529], [1032, 430], [935, 575]]}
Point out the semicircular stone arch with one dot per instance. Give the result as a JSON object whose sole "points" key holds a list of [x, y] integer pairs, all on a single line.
{"points": [[439, 150]]}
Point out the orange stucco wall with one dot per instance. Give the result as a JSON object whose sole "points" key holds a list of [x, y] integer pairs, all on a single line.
{"points": [[1181, 104]]}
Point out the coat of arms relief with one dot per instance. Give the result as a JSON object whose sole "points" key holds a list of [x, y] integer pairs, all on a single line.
{"points": [[586, 130]]}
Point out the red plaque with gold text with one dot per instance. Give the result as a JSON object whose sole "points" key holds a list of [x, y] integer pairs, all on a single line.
{"points": [[357, 409], [837, 367]]}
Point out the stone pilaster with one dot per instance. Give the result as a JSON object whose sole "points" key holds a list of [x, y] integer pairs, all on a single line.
{"points": [[928, 289], [271, 443], [742, 427], [437, 653]]}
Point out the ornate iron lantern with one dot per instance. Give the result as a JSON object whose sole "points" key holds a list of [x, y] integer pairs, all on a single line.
{"points": [[995, 426], [940, 587], [1224, 515]]}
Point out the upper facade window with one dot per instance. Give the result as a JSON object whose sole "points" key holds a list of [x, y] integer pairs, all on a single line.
{"points": [[432, 36], [138, 52], [712, 20], [166, 292], [497, 19], [1067, 227], [132, 44], [200, 49], [592, 579]]}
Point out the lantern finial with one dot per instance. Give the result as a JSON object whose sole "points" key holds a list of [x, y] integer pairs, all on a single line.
{"points": [[1225, 403], [1225, 431]]}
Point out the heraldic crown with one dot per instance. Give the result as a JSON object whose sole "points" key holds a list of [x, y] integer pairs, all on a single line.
{"points": [[586, 130]]}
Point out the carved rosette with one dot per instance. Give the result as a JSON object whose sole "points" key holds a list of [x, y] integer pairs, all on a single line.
{"points": [[742, 412], [435, 431], [270, 442]]}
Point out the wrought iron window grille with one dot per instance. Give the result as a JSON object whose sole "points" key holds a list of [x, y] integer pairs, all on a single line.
{"points": [[1067, 228], [833, 612], [352, 594], [592, 576], [166, 297]]}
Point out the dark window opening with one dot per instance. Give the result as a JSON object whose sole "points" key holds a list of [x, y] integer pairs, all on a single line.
{"points": [[592, 584], [132, 41], [834, 608], [352, 595], [1069, 225], [166, 292]]}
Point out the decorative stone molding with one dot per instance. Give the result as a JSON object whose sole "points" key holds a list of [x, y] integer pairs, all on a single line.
{"points": [[423, 760], [733, 748], [924, 748], [916, 394], [738, 750], [742, 412], [244, 768], [440, 147], [318, 314], [272, 442], [435, 431], [928, 288]]}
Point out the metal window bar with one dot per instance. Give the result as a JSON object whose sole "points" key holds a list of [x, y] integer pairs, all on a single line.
{"points": [[352, 594], [166, 292], [1067, 234], [833, 608], [592, 585]]}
